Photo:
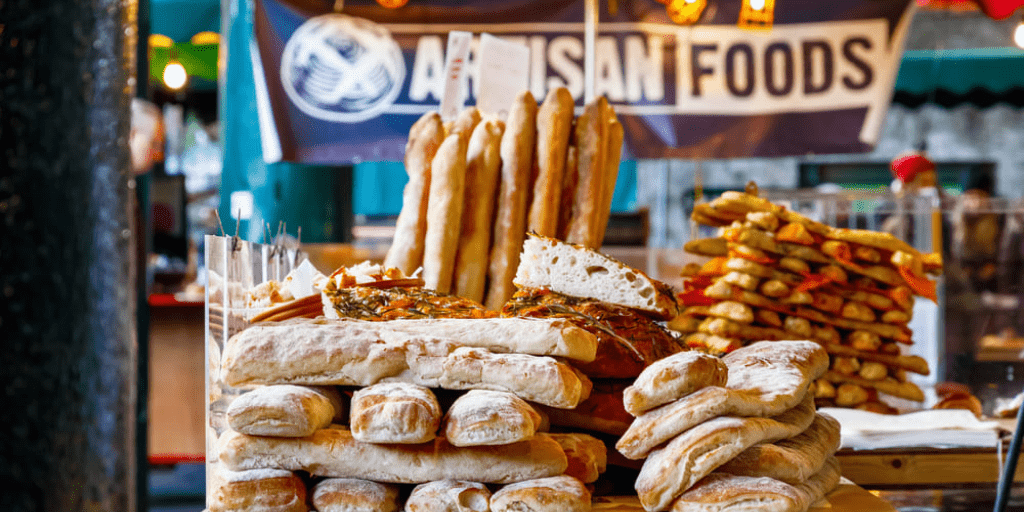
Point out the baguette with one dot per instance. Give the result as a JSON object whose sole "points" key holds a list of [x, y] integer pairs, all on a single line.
{"points": [[406, 251], [695, 453], [256, 490], [282, 411], [444, 212], [449, 496], [354, 495], [570, 179], [555, 494], [613, 157], [333, 452], [483, 160], [554, 122], [591, 143], [396, 413], [359, 353], [517, 145], [488, 418], [465, 122]]}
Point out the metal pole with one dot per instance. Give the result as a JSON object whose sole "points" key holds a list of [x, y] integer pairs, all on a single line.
{"points": [[68, 307], [1006, 478]]}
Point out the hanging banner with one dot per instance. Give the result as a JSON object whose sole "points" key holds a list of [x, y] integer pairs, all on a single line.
{"points": [[336, 88]]}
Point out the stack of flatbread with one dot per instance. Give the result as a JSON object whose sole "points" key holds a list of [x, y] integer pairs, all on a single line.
{"points": [[477, 185], [340, 413], [737, 433], [777, 275]]}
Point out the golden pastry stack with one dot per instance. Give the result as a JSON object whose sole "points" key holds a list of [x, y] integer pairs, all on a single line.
{"points": [[340, 413], [777, 275], [737, 433], [478, 185]]}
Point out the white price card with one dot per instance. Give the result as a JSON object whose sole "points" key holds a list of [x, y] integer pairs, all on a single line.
{"points": [[504, 73], [456, 60]]}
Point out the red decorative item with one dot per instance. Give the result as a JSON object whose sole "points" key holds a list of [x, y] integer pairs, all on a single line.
{"points": [[999, 9], [906, 167]]}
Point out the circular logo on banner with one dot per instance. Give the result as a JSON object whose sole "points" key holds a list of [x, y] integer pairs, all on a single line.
{"points": [[342, 69]]}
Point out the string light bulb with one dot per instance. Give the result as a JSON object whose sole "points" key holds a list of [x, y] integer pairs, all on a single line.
{"points": [[1018, 34], [175, 75]]}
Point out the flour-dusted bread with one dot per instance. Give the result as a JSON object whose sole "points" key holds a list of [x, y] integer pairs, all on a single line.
{"points": [[480, 418], [394, 412], [257, 490], [358, 353], [554, 494], [579, 272], [354, 495], [282, 411], [333, 452], [692, 455], [444, 212], [672, 378], [483, 161], [722, 492], [587, 455], [449, 496], [792, 460]]}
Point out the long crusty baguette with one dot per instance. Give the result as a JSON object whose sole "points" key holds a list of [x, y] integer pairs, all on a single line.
{"points": [[765, 378], [395, 413], [258, 490], [517, 145], [354, 495], [535, 336], [722, 492], [585, 273], [449, 496], [282, 411], [444, 212], [570, 179], [483, 160], [333, 452], [613, 156], [672, 378], [793, 460], [591, 143], [465, 122], [357, 353], [406, 251], [554, 122], [553, 494], [694, 454]]}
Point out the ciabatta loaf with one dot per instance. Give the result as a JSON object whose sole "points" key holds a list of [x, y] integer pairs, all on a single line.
{"points": [[792, 460], [672, 378], [449, 496], [579, 272], [670, 471], [480, 418], [587, 455], [722, 492], [257, 490], [394, 412], [282, 411], [354, 495], [333, 452], [554, 494]]}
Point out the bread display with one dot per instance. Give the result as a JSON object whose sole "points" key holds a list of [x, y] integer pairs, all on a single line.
{"points": [[394, 412], [777, 275]]}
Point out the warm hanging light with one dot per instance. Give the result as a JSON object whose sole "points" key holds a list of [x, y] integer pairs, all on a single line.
{"points": [[757, 14], [160, 41], [392, 4], [174, 75], [1018, 34], [205, 38], [685, 12]]}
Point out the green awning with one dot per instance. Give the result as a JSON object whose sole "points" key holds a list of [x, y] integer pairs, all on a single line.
{"points": [[959, 72], [199, 60]]}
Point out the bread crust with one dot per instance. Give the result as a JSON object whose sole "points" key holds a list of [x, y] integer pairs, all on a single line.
{"points": [[333, 452], [517, 146], [554, 123], [587, 455], [444, 212], [591, 143], [672, 378], [449, 496], [483, 161], [554, 494], [406, 251], [282, 411], [394, 412], [793, 460], [258, 490], [722, 492], [614, 135], [488, 418], [354, 495]]}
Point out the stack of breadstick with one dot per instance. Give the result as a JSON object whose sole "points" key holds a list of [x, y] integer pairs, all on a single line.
{"points": [[477, 185], [340, 414], [777, 275], [737, 433]]}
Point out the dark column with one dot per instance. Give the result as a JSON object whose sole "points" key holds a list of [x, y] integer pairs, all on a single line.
{"points": [[67, 328]]}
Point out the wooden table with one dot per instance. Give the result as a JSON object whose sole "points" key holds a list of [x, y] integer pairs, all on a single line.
{"points": [[924, 468], [848, 497]]}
